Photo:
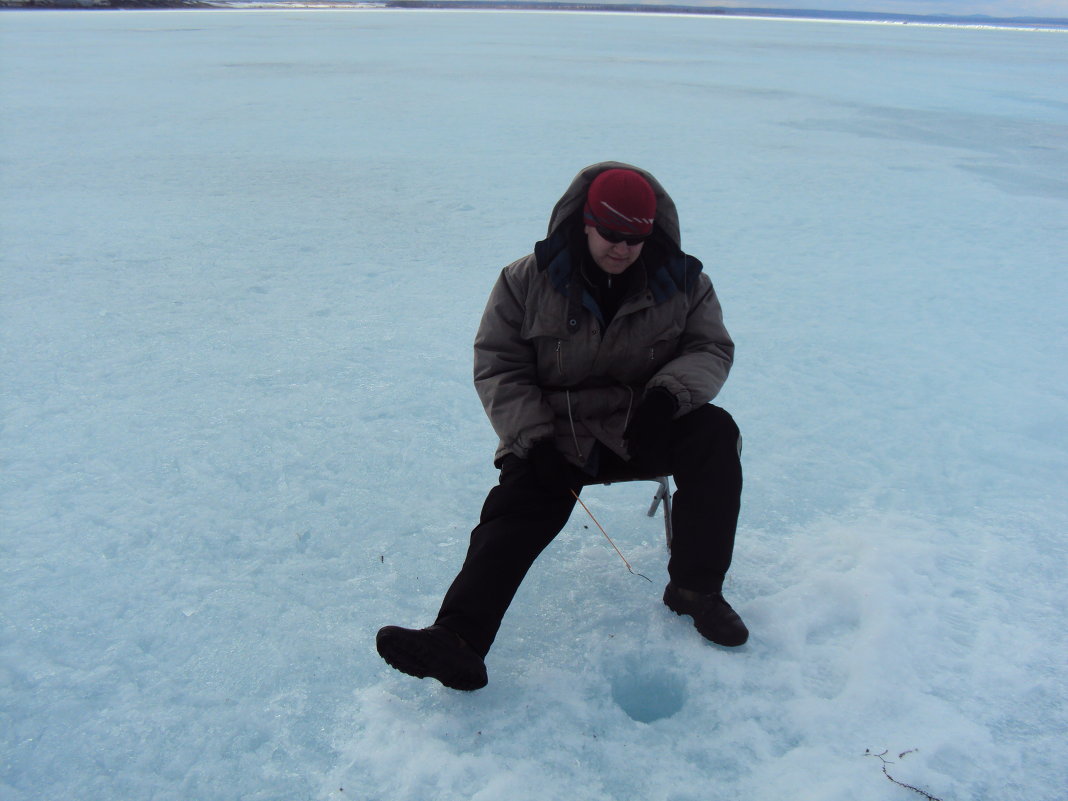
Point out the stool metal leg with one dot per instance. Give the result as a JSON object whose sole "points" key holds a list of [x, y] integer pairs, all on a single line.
{"points": [[663, 493]]}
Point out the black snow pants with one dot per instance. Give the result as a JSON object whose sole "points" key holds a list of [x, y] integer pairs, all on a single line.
{"points": [[520, 518]]}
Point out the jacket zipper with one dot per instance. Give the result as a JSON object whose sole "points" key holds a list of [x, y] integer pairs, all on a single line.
{"points": [[626, 420], [574, 433]]}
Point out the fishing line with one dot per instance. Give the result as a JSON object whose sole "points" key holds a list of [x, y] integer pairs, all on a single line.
{"points": [[621, 556]]}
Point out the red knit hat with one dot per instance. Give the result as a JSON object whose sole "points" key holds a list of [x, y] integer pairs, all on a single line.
{"points": [[621, 200]]}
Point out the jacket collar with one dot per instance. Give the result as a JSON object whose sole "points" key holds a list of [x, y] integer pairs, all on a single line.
{"points": [[672, 275]]}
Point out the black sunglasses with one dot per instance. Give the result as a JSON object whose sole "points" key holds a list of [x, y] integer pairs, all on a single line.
{"points": [[615, 237]]}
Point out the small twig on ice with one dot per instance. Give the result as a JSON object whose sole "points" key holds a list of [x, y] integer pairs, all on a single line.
{"points": [[885, 761]]}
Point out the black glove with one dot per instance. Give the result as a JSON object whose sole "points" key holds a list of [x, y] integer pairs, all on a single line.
{"points": [[552, 470], [650, 425]]}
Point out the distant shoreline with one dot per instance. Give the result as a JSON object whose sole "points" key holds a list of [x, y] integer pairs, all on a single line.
{"points": [[978, 21]]}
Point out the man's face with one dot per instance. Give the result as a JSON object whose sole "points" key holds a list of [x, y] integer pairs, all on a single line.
{"points": [[613, 258]]}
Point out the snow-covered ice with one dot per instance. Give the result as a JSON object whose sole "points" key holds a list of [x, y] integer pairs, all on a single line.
{"points": [[243, 258]]}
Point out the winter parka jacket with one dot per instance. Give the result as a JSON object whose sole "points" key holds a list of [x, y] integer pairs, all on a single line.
{"points": [[546, 366]]}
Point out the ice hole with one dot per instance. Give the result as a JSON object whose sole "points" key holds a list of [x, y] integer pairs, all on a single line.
{"points": [[647, 694]]}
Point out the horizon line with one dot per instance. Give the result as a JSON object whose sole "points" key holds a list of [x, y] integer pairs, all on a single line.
{"points": [[763, 12]]}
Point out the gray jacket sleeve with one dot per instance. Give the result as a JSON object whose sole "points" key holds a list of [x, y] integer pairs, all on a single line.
{"points": [[506, 372], [704, 355]]}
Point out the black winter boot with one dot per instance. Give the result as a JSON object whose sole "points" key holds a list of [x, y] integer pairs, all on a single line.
{"points": [[435, 652], [712, 616]]}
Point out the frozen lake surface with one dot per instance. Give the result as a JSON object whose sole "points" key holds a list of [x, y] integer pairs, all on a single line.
{"points": [[243, 258]]}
